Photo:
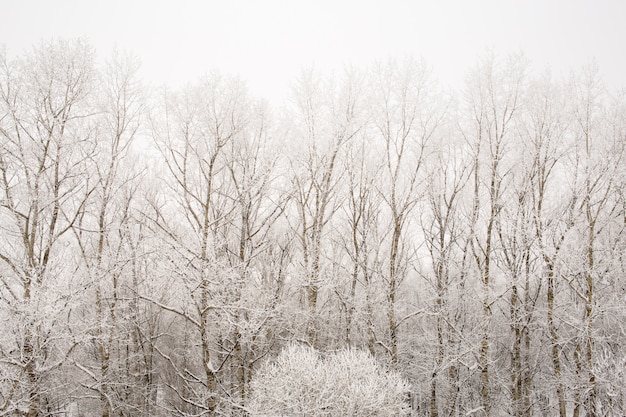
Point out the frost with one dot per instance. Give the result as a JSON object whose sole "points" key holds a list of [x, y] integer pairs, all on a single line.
{"points": [[302, 381]]}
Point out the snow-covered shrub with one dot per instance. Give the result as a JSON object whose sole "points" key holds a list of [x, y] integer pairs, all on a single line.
{"points": [[301, 381]]}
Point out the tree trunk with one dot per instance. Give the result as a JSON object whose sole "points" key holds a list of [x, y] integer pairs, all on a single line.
{"points": [[554, 339]]}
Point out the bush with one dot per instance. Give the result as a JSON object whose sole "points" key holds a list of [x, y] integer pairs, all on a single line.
{"points": [[347, 383]]}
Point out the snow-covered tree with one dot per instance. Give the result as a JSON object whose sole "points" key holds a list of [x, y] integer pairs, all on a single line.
{"points": [[45, 146], [350, 382]]}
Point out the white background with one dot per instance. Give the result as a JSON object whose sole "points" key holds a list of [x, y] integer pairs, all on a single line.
{"points": [[267, 42]]}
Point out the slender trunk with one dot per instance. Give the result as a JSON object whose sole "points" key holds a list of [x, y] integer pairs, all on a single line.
{"points": [[351, 303], [441, 285], [433, 395], [103, 352], [208, 368], [526, 371], [205, 296], [393, 275], [554, 338], [369, 312], [205, 324], [312, 332], [434, 410], [30, 369], [104, 347], [516, 366], [241, 372], [590, 403], [312, 288], [455, 337], [579, 371]]}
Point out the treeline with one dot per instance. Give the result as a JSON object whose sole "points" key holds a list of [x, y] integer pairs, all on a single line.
{"points": [[158, 247]]}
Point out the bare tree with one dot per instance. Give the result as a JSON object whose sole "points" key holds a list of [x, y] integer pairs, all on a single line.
{"points": [[494, 92], [515, 233], [46, 143], [101, 232], [544, 132], [360, 242], [251, 163], [444, 239], [330, 119], [598, 157], [405, 118], [192, 133]]}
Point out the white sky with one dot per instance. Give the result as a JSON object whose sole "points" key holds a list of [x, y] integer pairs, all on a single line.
{"points": [[267, 42]]}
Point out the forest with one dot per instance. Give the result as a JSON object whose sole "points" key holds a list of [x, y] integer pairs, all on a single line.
{"points": [[377, 245]]}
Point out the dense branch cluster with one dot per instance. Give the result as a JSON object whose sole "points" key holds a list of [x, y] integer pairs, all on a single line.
{"points": [[376, 246], [346, 383]]}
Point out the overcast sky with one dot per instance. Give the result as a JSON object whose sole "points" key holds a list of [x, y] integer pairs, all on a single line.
{"points": [[267, 42]]}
